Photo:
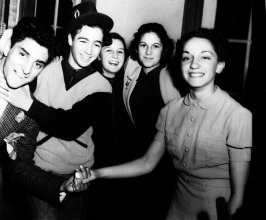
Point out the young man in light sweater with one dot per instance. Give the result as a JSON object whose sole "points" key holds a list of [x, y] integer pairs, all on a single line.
{"points": [[30, 49], [63, 84]]}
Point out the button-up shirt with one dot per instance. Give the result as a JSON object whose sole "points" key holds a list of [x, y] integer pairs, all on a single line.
{"points": [[203, 137]]}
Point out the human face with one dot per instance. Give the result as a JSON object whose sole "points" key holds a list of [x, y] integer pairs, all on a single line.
{"points": [[112, 58], [200, 63], [85, 47], [24, 62], [150, 51]]}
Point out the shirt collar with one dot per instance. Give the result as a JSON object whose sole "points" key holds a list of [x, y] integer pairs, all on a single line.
{"points": [[206, 103], [80, 74]]}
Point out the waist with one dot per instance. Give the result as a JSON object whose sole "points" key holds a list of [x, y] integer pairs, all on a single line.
{"points": [[203, 182], [63, 157]]}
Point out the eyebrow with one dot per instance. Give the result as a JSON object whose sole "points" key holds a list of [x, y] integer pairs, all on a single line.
{"points": [[204, 51], [146, 43], [25, 51], [119, 48], [87, 39], [207, 51]]}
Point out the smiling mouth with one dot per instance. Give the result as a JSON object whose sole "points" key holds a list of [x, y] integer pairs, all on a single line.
{"points": [[148, 58], [195, 75], [86, 57], [20, 75], [113, 63]]}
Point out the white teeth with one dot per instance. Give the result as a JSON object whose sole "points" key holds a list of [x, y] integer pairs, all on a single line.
{"points": [[196, 74], [114, 63]]}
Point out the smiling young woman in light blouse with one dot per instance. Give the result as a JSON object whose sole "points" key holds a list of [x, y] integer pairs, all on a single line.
{"points": [[207, 133]]}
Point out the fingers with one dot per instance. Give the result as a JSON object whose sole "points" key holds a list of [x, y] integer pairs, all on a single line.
{"points": [[80, 174], [5, 41], [85, 172]]}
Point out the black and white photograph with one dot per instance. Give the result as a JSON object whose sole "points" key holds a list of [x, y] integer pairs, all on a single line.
{"points": [[132, 110]]}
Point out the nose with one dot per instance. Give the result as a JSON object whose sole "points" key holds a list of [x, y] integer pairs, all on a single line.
{"points": [[115, 54], [148, 51], [27, 68], [88, 49], [194, 63]]}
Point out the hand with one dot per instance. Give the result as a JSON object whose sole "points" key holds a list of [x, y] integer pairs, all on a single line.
{"points": [[93, 175], [20, 97], [5, 41], [75, 182]]}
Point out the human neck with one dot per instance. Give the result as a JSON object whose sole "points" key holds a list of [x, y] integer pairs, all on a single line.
{"points": [[149, 69], [108, 75], [199, 94]]}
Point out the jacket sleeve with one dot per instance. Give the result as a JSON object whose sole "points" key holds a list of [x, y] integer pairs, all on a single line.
{"points": [[25, 174], [70, 124]]}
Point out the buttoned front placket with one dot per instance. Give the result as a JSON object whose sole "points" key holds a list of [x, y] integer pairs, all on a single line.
{"points": [[188, 144]]}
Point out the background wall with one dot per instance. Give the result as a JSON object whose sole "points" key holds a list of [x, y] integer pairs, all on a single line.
{"points": [[128, 15]]}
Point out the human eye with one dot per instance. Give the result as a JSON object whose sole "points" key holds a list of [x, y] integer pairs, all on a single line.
{"points": [[142, 45], [83, 41], [121, 52], [157, 46], [98, 44], [205, 58], [39, 65], [186, 58], [21, 53], [108, 50]]}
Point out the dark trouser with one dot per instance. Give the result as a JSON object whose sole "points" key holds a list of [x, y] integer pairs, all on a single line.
{"points": [[73, 207], [141, 198], [13, 201]]}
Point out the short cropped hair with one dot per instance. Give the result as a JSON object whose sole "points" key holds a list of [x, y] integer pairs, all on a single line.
{"points": [[106, 40], [31, 27], [160, 31]]}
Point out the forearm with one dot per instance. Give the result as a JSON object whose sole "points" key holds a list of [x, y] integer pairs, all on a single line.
{"points": [[60, 122], [37, 181], [131, 169], [138, 167], [25, 173], [238, 175]]}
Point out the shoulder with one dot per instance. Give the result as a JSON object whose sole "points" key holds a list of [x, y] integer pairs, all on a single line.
{"points": [[132, 67], [233, 107], [53, 66], [101, 82], [168, 90]]}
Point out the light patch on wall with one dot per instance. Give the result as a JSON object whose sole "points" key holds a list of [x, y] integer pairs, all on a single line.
{"points": [[128, 15]]}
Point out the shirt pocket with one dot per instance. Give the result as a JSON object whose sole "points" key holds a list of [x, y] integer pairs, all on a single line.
{"points": [[210, 152], [171, 143]]}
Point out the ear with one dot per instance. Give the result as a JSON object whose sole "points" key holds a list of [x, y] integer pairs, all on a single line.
{"points": [[220, 67], [70, 41]]}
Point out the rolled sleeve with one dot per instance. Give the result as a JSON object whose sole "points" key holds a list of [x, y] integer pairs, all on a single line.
{"points": [[240, 135], [160, 124]]}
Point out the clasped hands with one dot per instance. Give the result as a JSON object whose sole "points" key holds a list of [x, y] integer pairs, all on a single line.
{"points": [[79, 181]]}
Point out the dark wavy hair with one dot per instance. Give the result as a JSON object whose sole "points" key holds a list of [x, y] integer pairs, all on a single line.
{"points": [[63, 39], [219, 43], [160, 31], [31, 27], [106, 40], [115, 36], [97, 64]]}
